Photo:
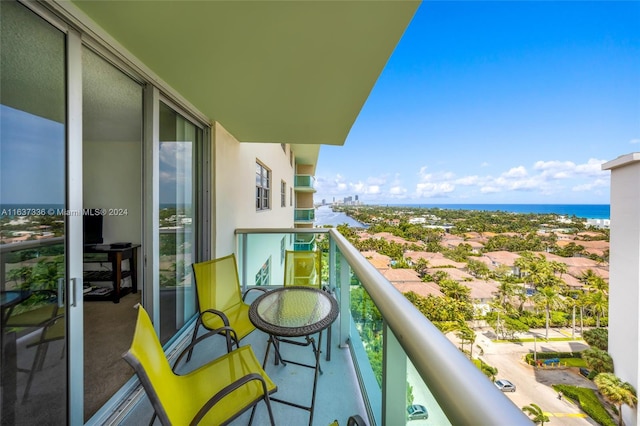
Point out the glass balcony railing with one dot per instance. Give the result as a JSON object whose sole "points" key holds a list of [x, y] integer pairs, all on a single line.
{"points": [[304, 183], [304, 215], [399, 357]]}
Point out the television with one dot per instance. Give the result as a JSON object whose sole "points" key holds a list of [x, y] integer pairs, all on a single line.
{"points": [[92, 227]]}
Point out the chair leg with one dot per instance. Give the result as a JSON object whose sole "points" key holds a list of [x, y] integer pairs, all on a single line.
{"points": [[195, 336], [38, 362]]}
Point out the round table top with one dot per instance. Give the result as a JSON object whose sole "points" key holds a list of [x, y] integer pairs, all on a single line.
{"points": [[293, 311]]}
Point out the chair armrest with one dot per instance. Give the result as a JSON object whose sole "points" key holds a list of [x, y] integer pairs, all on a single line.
{"points": [[229, 333], [264, 290], [221, 314], [226, 391]]}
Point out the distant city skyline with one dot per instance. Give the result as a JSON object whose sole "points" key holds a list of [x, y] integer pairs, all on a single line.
{"points": [[496, 102]]}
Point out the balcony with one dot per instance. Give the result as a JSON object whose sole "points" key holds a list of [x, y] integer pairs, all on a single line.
{"points": [[382, 350], [304, 242], [302, 216], [304, 183]]}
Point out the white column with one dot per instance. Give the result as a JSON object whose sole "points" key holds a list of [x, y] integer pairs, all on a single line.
{"points": [[624, 272]]}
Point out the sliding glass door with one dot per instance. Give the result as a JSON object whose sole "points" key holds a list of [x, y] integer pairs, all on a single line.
{"points": [[34, 229], [180, 141]]}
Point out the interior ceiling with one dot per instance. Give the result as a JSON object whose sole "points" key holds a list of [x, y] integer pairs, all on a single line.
{"points": [[293, 72]]}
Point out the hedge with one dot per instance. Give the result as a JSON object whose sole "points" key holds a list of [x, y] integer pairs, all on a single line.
{"points": [[589, 403], [548, 355]]}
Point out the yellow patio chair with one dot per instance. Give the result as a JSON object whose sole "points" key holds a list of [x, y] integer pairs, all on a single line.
{"points": [[213, 394], [220, 301], [302, 268]]}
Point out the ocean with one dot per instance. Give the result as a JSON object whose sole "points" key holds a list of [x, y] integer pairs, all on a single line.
{"points": [[326, 216], [586, 211]]}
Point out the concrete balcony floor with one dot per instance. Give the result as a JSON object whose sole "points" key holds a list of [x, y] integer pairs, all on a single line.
{"points": [[338, 395]]}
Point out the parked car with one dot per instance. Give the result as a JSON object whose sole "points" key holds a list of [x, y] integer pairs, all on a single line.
{"points": [[585, 372], [505, 385], [417, 411]]}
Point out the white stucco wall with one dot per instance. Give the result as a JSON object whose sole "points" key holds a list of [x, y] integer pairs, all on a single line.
{"points": [[234, 183], [624, 273], [112, 179]]}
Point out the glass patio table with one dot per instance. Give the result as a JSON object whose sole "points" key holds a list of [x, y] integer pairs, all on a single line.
{"points": [[295, 312]]}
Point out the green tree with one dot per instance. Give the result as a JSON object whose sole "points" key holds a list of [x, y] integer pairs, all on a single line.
{"points": [[597, 337], [478, 269], [535, 412], [598, 303], [598, 360], [616, 392], [549, 298]]}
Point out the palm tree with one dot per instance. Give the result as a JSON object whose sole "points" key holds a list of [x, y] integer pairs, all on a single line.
{"points": [[535, 412], [549, 298], [598, 302], [505, 291], [616, 391]]}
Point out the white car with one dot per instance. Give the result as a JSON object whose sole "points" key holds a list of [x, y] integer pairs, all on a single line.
{"points": [[505, 385]]}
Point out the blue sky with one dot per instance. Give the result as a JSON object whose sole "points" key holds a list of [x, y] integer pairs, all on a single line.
{"points": [[496, 102]]}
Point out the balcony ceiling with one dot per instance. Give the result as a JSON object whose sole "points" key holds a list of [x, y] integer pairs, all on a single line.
{"points": [[269, 71]]}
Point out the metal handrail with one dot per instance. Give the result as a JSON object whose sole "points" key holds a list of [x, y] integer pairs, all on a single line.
{"points": [[464, 393]]}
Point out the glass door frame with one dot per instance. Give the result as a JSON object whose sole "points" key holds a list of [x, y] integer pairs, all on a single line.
{"points": [[74, 243]]}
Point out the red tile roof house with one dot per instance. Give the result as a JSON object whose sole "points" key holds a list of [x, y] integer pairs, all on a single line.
{"points": [[494, 259], [421, 289], [379, 261], [436, 260]]}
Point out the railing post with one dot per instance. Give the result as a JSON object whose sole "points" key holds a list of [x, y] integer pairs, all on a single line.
{"points": [[243, 249], [332, 265], [345, 301], [394, 379]]}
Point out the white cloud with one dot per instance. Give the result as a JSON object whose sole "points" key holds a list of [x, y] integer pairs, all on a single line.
{"points": [[467, 180], [543, 178], [590, 186], [634, 141], [434, 189], [397, 190], [516, 172]]}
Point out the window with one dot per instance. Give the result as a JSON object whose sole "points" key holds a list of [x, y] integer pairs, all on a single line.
{"points": [[263, 277], [282, 249], [291, 196], [263, 185], [291, 157], [283, 194], [284, 147]]}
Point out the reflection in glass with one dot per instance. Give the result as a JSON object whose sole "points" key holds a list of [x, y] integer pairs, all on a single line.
{"points": [[178, 141], [32, 226]]}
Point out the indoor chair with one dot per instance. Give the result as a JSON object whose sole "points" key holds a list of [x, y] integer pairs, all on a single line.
{"points": [[220, 301], [213, 394]]}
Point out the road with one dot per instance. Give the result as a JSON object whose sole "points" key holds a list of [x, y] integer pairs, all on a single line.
{"points": [[534, 385]]}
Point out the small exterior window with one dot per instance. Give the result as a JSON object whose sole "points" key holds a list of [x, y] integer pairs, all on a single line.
{"points": [[283, 194], [284, 147], [263, 187], [263, 277], [291, 157], [290, 196], [283, 243]]}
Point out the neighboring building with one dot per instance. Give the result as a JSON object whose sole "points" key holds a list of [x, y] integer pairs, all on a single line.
{"points": [[624, 289]]}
